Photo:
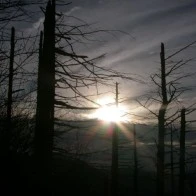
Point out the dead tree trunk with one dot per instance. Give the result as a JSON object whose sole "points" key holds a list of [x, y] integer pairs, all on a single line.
{"points": [[46, 92], [10, 85], [182, 153], [135, 163], [161, 127], [7, 134], [172, 164], [114, 169]]}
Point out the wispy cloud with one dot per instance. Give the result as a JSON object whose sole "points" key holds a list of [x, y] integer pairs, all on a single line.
{"points": [[72, 10], [150, 22]]}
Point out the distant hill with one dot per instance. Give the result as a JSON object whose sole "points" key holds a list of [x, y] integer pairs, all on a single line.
{"points": [[91, 141]]}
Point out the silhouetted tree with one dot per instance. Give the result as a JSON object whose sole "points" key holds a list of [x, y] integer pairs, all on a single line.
{"points": [[182, 154], [161, 126], [114, 167], [172, 162], [62, 79], [166, 98], [18, 105], [15, 11], [45, 94], [6, 129], [136, 165]]}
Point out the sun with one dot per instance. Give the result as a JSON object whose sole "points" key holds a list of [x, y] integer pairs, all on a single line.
{"points": [[110, 113]]}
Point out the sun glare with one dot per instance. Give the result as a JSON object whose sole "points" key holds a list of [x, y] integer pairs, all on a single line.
{"points": [[109, 113]]}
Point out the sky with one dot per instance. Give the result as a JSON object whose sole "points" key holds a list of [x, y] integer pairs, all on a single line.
{"points": [[137, 30], [141, 26], [148, 23]]}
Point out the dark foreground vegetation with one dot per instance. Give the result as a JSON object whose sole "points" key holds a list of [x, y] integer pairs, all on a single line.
{"points": [[19, 177], [73, 177]]}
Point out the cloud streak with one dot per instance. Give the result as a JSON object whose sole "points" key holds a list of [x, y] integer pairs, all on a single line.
{"points": [[150, 22]]}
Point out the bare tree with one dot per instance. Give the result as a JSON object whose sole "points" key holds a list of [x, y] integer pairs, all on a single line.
{"points": [[182, 153], [136, 165], [63, 80], [166, 101], [172, 161], [16, 88], [45, 95], [16, 11]]}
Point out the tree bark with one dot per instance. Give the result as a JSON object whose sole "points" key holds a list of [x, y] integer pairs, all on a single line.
{"points": [[182, 153], [114, 169], [135, 163], [172, 165], [45, 93], [161, 128], [7, 131]]}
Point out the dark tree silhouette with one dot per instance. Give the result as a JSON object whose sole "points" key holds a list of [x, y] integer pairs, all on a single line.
{"points": [[63, 77], [5, 137], [166, 97], [172, 161], [136, 165], [45, 94], [114, 167], [15, 11], [161, 125], [182, 153]]}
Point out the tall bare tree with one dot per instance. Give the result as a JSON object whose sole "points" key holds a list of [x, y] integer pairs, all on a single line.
{"points": [[136, 165], [63, 79], [46, 91], [166, 100], [182, 154], [10, 89]]}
